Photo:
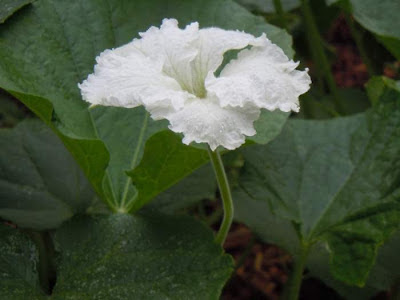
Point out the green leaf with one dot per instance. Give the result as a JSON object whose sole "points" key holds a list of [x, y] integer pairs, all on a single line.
{"points": [[10, 113], [120, 257], [18, 274], [166, 160], [392, 44], [267, 6], [199, 185], [381, 18], [384, 274], [63, 39], [381, 88], [144, 257], [335, 181], [257, 215], [269, 227], [9, 7], [314, 105], [40, 184], [90, 153], [126, 147], [268, 126]]}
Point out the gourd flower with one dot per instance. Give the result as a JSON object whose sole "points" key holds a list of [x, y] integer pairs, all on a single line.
{"points": [[172, 72]]}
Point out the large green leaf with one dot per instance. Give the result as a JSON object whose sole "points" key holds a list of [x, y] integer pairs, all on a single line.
{"points": [[336, 181], [381, 18], [120, 257], [142, 257], [40, 183], [18, 261], [51, 45]]}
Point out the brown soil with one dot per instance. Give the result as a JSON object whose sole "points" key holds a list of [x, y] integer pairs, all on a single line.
{"points": [[261, 270]]}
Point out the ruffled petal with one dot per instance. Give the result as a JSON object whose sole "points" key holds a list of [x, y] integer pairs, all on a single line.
{"points": [[174, 48], [205, 121], [262, 76], [189, 54], [128, 79], [170, 71], [214, 42]]}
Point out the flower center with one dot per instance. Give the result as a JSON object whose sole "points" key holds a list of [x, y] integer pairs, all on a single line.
{"points": [[196, 87], [191, 81]]}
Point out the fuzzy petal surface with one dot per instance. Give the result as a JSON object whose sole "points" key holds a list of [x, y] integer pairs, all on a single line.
{"points": [[205, 121], [189, 54], [132, 79], [174, 48]]}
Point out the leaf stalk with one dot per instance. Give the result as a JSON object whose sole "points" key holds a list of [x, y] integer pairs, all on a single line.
{"points": [[297, 274]]}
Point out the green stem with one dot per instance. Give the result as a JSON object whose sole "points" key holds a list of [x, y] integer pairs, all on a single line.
{"points": [[46, 268], [112, 204], [297, 274], [281, 13], [318, 53], [225, 195], [357, 35], [140, 141]]}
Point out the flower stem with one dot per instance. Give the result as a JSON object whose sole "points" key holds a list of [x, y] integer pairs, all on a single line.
{"points": [[297, 274], [280, 12], [317, 51], [225, 195]]}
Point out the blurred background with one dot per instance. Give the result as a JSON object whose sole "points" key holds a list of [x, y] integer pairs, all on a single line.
{"points": [[342, 58]]}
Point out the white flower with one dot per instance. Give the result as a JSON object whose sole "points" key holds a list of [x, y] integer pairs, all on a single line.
{"points": [[171, 72]]}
